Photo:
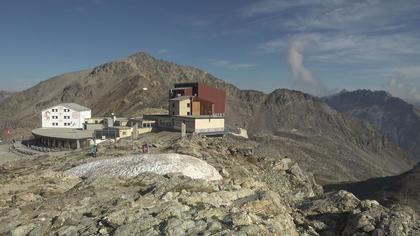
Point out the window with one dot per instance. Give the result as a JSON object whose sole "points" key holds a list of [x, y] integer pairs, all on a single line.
{"points": [[173, 113], [188, 113], [188, 104], [173, 105], [66, 117]]}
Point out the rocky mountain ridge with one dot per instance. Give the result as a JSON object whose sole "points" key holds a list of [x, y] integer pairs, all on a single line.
{"points": [[289, 123], [5, 94], [397, 119]]}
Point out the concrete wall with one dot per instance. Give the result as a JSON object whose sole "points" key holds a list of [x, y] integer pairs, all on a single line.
{"points": [[190, 124], [144, 130], [90, 126], [198, 125], [95, 120], [84, 115], [125, 133], [63, 118], [209, 125]]}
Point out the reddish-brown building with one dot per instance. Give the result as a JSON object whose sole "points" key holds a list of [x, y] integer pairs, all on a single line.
{"points": [[212, 99], [194, 107]]}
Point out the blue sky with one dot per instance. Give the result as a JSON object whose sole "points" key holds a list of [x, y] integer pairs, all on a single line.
{"points": [[318, 46]]}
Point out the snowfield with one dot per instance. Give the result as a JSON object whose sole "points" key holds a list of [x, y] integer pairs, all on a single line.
{"points": [[131, 166]]}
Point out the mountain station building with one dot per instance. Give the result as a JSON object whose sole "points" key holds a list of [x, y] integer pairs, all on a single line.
{"points": [[65, 115], [200, 107]]}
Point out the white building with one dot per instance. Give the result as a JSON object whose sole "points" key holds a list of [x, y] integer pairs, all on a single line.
{"points": [[65, 115]]}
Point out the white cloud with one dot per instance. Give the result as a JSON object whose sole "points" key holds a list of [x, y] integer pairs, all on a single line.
{"points": [[301, 74], [310, 15], [369, 36], [270, 6], [163, 51], [348, 48], [399, 88], [232, 66], [342, 31], [402, 83]]}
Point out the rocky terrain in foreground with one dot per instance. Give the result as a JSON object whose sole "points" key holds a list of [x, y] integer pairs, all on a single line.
{"points": [[259, 195], [402, 189]]}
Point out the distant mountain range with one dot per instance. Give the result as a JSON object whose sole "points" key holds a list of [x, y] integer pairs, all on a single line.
{"points": [[5, 94], [334, 146], [397, 119]]}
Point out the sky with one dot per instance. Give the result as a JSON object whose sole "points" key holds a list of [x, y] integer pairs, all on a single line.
{"points": [[317, 46]]}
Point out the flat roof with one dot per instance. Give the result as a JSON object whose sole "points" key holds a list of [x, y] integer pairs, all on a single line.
{"points": [[181, 88], [187, 117], [181, 98], [73, 106], [63, 133]]}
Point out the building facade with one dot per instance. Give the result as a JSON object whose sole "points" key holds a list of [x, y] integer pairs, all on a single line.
{"points": [[199, 107], [65, 115], [204, 94], [201, 125]]}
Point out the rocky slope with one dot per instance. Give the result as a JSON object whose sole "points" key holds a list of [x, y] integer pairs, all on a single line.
{"points": [[259, 195], [5, 94], [304, 127], [285, 122], [397, 119], [403, 189]]}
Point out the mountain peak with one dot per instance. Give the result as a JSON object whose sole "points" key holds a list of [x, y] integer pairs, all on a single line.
{"points": [[142, 55], [397, 119]]}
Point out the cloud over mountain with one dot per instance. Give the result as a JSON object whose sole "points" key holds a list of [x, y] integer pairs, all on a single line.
{"points": [[302, 75]]}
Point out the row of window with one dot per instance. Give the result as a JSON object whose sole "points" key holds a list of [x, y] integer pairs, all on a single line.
{"points": [[65, 117], [188, 105], [56, 110], [56, 124]]}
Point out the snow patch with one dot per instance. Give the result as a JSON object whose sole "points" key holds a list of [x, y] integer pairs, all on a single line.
{"points": [[131, 166]]}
